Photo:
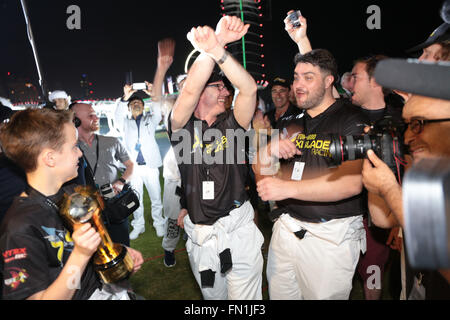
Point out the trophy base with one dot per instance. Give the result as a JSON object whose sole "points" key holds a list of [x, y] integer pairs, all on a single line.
{"points": [[117, 269]]}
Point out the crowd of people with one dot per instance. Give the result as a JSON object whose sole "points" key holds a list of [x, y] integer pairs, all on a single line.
{"points": [[328, 222]]}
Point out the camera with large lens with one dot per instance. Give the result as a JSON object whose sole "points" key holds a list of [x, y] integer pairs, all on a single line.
{"points": [[107, 191], [385, 138]]}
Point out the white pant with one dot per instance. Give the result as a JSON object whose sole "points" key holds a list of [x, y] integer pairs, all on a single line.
{"points": [[319, 266], [150, 177], [238, 232], [110, 292], [172, 209]]}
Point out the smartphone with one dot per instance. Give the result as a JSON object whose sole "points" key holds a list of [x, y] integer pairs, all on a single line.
{"points": [[139, 86], [294, 18]]}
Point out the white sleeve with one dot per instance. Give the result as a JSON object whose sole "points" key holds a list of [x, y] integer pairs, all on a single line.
{"points": [[120, 114], [156, 113]]}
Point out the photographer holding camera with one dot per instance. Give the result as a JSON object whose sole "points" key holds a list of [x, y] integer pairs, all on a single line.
{"points": [[427, 136], [425, 140], [102, 154]]}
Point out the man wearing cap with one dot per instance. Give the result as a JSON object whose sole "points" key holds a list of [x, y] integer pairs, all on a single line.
{"points": [[224, 244], [280, 96], [60, 99], [139, 139], [437, 46]]}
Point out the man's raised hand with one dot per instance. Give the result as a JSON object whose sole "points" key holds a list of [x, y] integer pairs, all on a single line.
{"points": [[230, 29], [296, 34], [203, 39], [128, 91], [166, 50]]}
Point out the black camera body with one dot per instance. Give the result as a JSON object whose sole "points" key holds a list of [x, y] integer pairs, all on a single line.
{"points": [[385, 138]]}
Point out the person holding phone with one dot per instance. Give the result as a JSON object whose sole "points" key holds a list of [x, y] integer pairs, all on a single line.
{"points": [[138, 132]]}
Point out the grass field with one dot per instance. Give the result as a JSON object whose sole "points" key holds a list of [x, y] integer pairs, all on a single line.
{"points": [[157, 282]]}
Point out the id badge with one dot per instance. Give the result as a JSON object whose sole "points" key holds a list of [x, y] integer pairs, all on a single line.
{"points": [[137, 147], [208, 190], [297, 172]]}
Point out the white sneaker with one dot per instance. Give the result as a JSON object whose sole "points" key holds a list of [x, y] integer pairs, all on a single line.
{"points": [[136, 232], [160, 231]]}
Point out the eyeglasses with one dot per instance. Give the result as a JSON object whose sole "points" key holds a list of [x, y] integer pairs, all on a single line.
{"points": [[416, 125], [217, 85]]}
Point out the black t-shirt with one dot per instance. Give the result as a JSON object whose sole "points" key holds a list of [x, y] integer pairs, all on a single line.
{"points": [[35, 246], [393, 112], [228, 178], [389, 111], [341, 119], [290, 112]]}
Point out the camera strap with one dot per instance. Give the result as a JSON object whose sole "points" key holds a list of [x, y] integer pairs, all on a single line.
{"points": [[92, 172], [88, 175], [96, 156]]}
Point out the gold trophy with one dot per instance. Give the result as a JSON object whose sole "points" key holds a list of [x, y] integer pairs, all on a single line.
{"points": [[112, 260]]}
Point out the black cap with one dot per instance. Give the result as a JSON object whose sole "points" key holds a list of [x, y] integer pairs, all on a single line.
{"points": [[135, 97], [277, 81], [442, 33], [215, 76]]}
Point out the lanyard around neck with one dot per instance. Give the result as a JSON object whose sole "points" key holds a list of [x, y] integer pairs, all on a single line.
{"points": [[96, 156]]}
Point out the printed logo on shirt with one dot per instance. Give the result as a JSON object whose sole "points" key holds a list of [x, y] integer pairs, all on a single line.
{"points": [[14, 254], [319, 147], [218, 145], [18, 276], [59, 239]]}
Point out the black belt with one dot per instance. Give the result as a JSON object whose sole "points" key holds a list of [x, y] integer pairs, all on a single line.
{"points": [[142, 164]]}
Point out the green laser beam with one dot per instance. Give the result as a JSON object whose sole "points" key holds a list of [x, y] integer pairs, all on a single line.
{"points": [[244, 63]]}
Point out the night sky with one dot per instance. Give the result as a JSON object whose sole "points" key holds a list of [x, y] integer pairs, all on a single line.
{"points": [[116, 37]]}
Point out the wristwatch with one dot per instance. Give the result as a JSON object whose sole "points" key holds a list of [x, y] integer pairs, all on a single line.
{"points": [[122, 180]]}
